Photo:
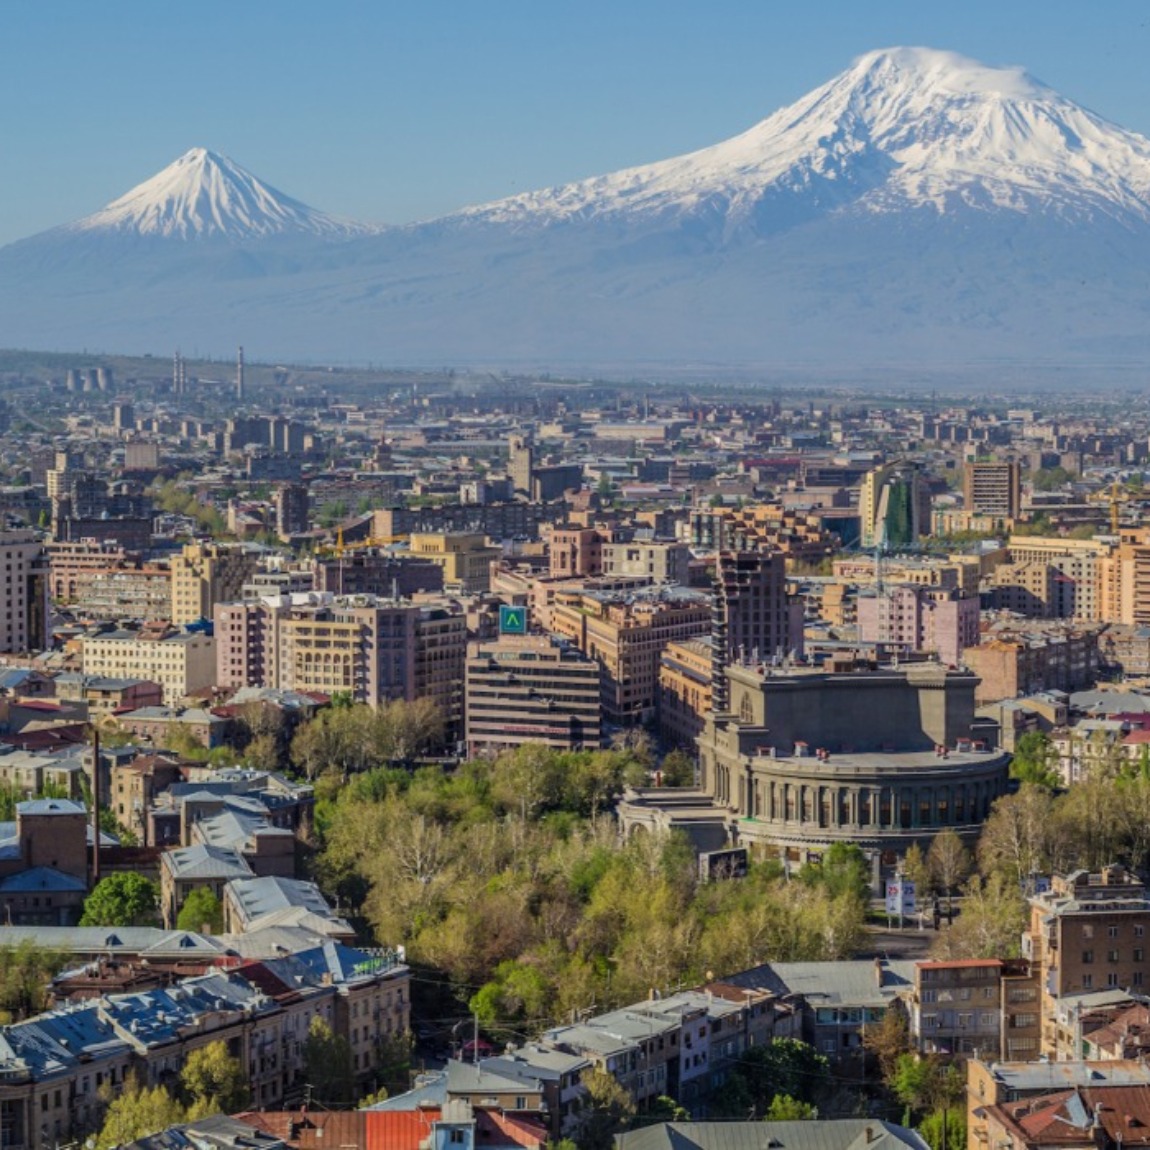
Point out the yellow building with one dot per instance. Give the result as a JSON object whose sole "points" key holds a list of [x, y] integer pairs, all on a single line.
{"points": [[465, 557], [685, 670], [205, 574], [180, 662]]}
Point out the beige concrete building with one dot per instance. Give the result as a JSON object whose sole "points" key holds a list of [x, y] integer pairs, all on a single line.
{"points": [[465, 557], [531, 689], [181, 662], [1086, 934], [993, 488], [375, 649], [685, 669], [205, 574], [24, 619], [627, 634]]}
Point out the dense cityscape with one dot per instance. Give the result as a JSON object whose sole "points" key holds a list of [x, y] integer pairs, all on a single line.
{"points": [[513, 760]]}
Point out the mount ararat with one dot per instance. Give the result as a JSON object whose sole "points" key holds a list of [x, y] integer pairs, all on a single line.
{"points": [[919, 212]]}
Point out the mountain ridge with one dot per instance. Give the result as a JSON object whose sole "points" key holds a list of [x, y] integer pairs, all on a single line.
{"points": [[917, 207]]}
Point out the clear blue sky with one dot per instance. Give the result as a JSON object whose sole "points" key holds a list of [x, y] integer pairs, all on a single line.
{"points": [[397, 110]]}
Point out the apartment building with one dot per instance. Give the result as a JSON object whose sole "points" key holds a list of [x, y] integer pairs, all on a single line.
{"points": [[992, 488], [1015, 659], [182, 662], [531, 689], [956, 1007], [375, 649], [465, 557], [54, 1066], [627, 634], [904, 619], [24, 613], [1086, 934], [205, 574], [684, 691], [592, 551], [797, 534]]}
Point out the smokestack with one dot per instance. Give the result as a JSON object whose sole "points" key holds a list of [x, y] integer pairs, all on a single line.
{"points": [[240, 374]]}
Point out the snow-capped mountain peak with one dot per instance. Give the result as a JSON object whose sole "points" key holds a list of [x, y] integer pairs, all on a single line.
{"points": [[203, 194], [900, 128]]}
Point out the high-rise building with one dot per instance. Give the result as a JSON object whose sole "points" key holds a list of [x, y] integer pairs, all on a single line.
{"points": [[531, 689], [25, 626], [205, 574], [993, 488], [750, 617], [894, 505], [291, 503], [520, 460]]}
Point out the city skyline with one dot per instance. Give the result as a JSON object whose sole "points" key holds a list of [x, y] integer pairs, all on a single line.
{"points": [[402, 114]]}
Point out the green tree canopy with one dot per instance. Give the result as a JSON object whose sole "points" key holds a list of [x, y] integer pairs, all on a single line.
{"points": [[214, 1081], [201, 909], [784, 1108], [136, 1111], [122, 899], [608, 1111], [328, 1065]]}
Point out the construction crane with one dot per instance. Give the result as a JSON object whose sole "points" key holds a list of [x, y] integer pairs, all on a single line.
{"points": [[340, 547]]}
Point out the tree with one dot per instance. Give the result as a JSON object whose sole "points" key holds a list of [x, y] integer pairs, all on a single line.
{"points": [[949, 861], [1018, 840], [844, 871], [1034, 761], [888, 1040], [926, 1084], [123, 899], [214, 1081], [784, 1066], [915, 868], [784, 1108], [991, 922], [25, 971], [136, 1111], [201, 912], [607, 1111], [678, 770], [944, 1129], [328, 1065], [665, 1109]]}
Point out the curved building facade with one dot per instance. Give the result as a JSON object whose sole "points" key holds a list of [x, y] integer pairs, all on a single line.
{"points": [[882, 758]]}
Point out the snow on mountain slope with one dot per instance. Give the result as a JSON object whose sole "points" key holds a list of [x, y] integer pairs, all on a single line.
{"points": [[904, 127], [204, 195]]}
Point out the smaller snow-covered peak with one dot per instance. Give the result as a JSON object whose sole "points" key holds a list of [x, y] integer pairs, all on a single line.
{"points": [[203, 194]]}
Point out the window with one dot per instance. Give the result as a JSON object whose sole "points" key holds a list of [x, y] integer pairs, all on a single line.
{"points": [[1087, 931], [1087, 981], [1138, 928], [1087, 957], [1112, 931], [1112, 979], [1112, 956]]}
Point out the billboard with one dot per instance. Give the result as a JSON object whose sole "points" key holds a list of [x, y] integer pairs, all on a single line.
{"points": [[731, 863], [900, 896], [512, 620]]}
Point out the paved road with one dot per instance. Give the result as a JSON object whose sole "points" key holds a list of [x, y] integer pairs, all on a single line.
{"points": [[907, 943]]}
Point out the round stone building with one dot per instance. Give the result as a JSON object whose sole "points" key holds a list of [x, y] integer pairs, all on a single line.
{"points": [[806, 758]]}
